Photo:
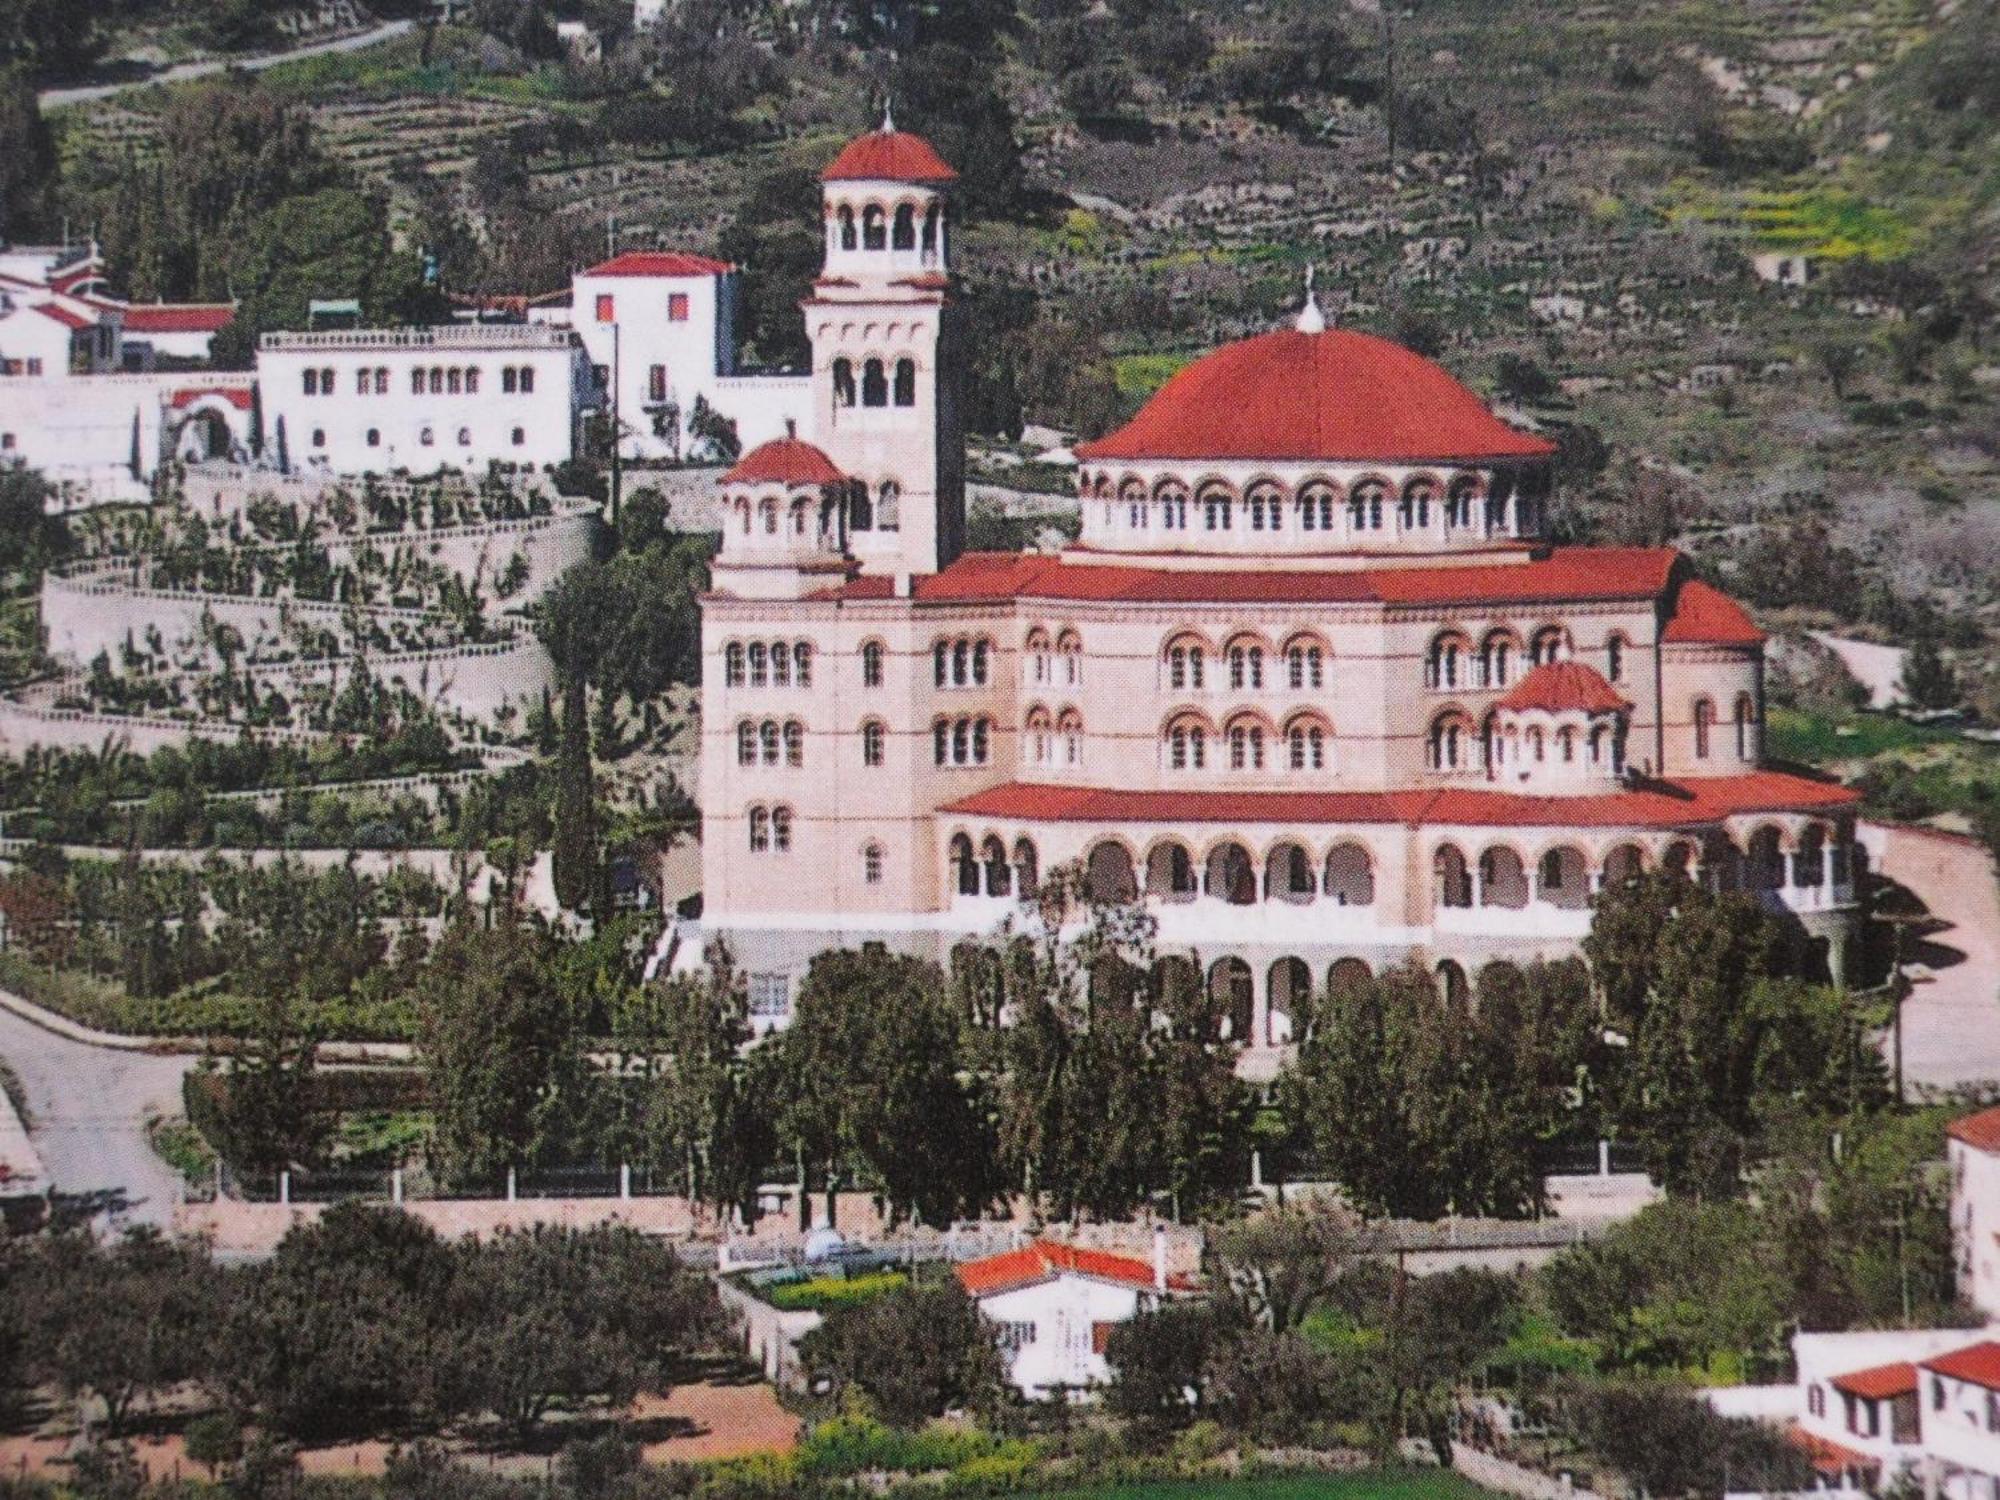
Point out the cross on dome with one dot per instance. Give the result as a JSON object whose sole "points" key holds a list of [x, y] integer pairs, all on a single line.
{"points": [[888, 119], [1311, 319]]}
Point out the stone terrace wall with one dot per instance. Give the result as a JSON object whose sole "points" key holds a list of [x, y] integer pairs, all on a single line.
{"points": [[22, 725]]}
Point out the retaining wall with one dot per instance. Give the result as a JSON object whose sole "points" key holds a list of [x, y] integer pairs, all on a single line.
{"points": [[23, 725]]}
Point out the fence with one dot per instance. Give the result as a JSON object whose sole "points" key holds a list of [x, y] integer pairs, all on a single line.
{"points": [[416, 1184]]}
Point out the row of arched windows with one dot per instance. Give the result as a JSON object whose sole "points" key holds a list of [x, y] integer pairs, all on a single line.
{"points": [[965, 662], [875, 228], [1062, 663], [1186, 662], [1345, 876], [962, 742], [1369, 505], [770, 829], [777, 664], [877, 385], [1454, 662], [762, 744], [1455, 744], [990, 870], [1054, 741], [1247, 743]]}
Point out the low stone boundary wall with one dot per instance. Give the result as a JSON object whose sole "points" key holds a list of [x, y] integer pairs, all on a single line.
{"points": [[1509, 1478], [23, 725]]}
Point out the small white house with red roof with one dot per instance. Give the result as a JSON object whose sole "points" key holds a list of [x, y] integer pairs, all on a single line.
{"points": [[659, 327], [1055, 1305], [1972, 1146]]}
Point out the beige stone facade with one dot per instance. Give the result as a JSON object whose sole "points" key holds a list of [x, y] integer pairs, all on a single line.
{"points": [[1313, 706]]}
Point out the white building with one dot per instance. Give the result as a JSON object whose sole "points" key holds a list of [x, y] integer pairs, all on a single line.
{"points": [[660, 329], [1960, 1398], [375, 400], [1055, 1306], [1972, 1146]]}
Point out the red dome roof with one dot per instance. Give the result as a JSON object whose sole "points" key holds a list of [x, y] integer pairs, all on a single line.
{"points": [[786, 461], [888, 156], [1292, 395], [1565, 687]]}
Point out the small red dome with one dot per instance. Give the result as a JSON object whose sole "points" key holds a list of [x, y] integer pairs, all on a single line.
{"points": [[889, 156], [1298, 396], [1565, 687], [786, 461]]}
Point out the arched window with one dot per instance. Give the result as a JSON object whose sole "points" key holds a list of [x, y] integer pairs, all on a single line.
{"points": [[732, 664], [871, 743], [965, 869], [933, 216], [1215, 509], [1069, 650], [1350, 876], [760, 830], [746, 744], [1170, 873], [982, 736], [781, 664], [1186, 666], [1614, 658], [767, 736], [981, 650], [1551, 644], [906, 382], [941, 663], [1305, 666], [961, 663], [871, 664], [1746, 728], [1454, 879], [802, 655], [1267, 510], [1187, 745], [843, 382], [846, 218], [860, 510], [759, 660], [874, 384], [1040, 744], [1496, 659], [1246, 746], [1305, 743], [795, 743], [1071, 730], [1246, 667], [941, 741], [1704, 723], [1460, 507], [904, 234], [1173, 503], [1450, 743], [1364, 506], [1316, 509], [1027, 867], [961, 742], [1445, 666], [874, 228], [999, 873], [768, 512], [871, 864], [1413, 511]]}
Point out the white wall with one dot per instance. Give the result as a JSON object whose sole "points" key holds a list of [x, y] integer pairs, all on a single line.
{"points": [[1063, 1311], [468, 429], [690, 353], [1975, 1221]]}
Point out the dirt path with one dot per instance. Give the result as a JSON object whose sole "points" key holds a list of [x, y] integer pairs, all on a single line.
{"points": [[208, 67], [1951, 1022]]}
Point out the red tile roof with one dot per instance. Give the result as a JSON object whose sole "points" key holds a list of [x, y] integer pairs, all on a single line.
{"points": [[1980, 1131], [786, 461], [1827, 1456], [889, 156], [1044, 1260], [177, 317], [675, 263], [1565, 687], [239, 396], [1294, 396], [1570, 573], [1979, 1364], [60, 314], [928, 281], [1695, 802], [1704, 614], [1879, 1382]]}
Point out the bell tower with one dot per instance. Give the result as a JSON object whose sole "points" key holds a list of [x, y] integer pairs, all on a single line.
{"points": [[885, 337]]}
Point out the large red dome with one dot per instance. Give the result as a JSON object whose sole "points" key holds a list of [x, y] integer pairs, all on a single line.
{"points": [[1299, 396]]}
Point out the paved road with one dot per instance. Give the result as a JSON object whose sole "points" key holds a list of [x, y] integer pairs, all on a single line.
{"points": [[1951, 1022], [183, 72], [90, 1105]]}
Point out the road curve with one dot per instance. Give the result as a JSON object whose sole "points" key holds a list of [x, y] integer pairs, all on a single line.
{"points": [[90, 1106], [209, 67]]}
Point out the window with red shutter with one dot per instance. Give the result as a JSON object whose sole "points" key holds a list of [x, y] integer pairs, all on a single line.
{"points": [[677, 307], [606, 312]]}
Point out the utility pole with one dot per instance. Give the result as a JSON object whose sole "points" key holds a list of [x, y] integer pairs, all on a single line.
{"points": [[617, 428]]}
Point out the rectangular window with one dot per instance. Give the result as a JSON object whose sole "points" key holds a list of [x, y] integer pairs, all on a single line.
{"points": [[416, 382], [771, 996], [677, 307], [606, 308], [656, 383], [35, 365], [506, 380], [1014, 1337], [363, 382], [310, 380], [527, 379]]}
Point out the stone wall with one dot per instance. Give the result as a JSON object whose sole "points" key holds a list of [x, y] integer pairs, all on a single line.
{"points": [[22, 725]]}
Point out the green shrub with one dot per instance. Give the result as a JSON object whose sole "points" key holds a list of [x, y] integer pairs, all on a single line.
{"points": [[853, 1444], [824, 1293]]}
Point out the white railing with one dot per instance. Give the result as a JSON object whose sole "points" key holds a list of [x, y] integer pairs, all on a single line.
{"points": [[445, 336]]}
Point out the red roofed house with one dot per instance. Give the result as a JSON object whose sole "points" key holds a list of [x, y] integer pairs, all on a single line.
{"points": [[1973, 1147], [1056, 1304], [659, 327], [1959, 1395], [1312, 684]]}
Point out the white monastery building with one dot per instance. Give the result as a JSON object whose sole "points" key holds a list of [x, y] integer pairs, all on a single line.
{"points": [[1054, 1306], [1312, 684]]}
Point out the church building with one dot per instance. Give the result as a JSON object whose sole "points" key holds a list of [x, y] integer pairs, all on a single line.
{"points": [[1312, 684]]}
